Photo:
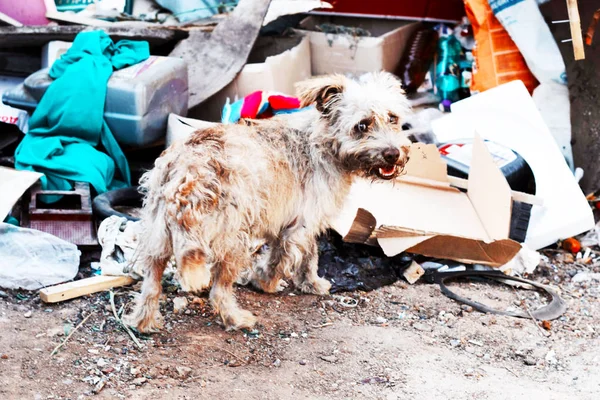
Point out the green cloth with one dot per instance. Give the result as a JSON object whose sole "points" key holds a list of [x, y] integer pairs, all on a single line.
{"points": [[68, 127]]}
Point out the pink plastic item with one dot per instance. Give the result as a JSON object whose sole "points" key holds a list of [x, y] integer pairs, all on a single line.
{"points": [[27, 12]]}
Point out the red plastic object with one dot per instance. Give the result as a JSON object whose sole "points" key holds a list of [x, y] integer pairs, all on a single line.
{"points": [[27, 12], [432, 10], [572, 245]]}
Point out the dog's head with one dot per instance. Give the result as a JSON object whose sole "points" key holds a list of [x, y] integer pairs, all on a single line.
{"points": [[363, 121]]}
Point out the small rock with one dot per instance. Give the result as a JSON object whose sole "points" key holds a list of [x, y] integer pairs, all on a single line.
{"points": [[529, 361], [422, 327], [139, 381], [277, 363], [294, 335], [28, 314], [183, 372], [466, 308], [67, 382], [551, 357], [455, 343], [3, 294], [302, 362], [381, 320], [101, 363], [179, 304], [108, 370], [329, 359], [93, 351]]}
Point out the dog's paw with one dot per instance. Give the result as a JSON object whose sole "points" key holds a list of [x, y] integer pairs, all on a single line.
{"points": [[239, 320], [318, 286], [150, 323], [281, 285]]}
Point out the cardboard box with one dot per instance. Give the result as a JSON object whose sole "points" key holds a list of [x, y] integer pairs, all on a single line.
{"points": [[423, 213], [345, 53], [275, 64]]}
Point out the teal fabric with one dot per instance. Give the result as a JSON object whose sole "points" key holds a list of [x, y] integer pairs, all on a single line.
{"points": [[67, 129]]}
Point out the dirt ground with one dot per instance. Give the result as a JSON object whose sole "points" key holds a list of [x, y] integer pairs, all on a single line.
{"points": [[398, 342]]}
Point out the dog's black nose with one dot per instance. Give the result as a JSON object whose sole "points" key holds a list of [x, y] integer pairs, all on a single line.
{"points": [[391, 155]]}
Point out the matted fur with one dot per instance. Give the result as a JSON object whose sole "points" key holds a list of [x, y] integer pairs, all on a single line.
{"points": [[280, 181]]}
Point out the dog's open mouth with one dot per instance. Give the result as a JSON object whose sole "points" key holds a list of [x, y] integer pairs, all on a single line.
{"points": [[387, 172]]}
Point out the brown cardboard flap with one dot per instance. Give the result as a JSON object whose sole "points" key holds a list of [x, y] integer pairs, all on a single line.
{"points": [[489, 192], [362, 227], [455, 248]]}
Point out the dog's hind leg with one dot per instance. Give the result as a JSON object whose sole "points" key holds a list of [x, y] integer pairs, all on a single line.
{"points": [[306, 278], [146, 315], [194, 273], [222, 297]]}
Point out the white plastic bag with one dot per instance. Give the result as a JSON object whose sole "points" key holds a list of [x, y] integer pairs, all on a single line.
{"points": [[525, 24], [31, 259]]}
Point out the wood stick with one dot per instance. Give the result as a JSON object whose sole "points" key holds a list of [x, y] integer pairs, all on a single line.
{"points": [[71, 290], [68, 337], [120, 321], [576, 35]]}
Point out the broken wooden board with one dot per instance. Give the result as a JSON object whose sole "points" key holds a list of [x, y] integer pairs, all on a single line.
{"points": [[576, 35], [37, 36], [214, 60], [82, 287]]}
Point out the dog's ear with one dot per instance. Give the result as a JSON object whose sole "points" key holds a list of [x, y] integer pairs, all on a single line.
{"points": [[325, 91]]}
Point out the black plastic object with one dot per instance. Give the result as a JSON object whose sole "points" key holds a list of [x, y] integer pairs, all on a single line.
{"points": [[417, 59], [515, 169], [104, 204], [553, 310], [350, 266]]}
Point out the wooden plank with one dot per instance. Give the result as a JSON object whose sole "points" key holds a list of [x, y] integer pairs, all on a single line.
{"points": [[576, 35], [71, 290], [37, 36]]}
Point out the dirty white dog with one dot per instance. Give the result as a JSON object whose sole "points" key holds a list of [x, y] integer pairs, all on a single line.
{"points": [[282, 180]]}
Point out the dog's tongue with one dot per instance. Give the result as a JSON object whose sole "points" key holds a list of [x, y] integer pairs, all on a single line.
{"points": [[386, 171]]}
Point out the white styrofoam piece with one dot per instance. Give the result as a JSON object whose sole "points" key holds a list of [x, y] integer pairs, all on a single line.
{"points": [[507, 115]]}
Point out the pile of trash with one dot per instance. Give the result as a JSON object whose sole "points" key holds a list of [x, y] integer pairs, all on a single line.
{"points": [[87, 107]]}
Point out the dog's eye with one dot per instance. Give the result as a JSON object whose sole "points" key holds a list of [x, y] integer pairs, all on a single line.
{"points": [[393, 119], [362, 126]]}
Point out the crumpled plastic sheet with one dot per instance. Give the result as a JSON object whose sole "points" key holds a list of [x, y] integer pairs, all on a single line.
{"points": [[350, 266], [119, 238], [31, 259]]}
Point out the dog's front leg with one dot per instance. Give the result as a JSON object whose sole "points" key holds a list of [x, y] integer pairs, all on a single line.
{"points": [[306, 278]]}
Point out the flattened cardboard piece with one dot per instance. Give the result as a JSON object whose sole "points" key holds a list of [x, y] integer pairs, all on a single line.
{"points": [[421, 213], [489, 192], [13, 183]]}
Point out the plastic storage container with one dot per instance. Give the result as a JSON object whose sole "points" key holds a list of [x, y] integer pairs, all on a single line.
{"points": [[139, 98]]}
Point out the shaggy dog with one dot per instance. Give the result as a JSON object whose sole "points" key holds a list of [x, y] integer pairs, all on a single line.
{"points": [[280, 181]]}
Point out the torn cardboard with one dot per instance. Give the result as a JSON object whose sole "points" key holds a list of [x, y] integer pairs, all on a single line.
{"points": [[422, 213], [508, 116], [13, 184]]}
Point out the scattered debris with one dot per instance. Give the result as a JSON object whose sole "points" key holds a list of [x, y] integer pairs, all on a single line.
{"points": [[69, 336]]}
